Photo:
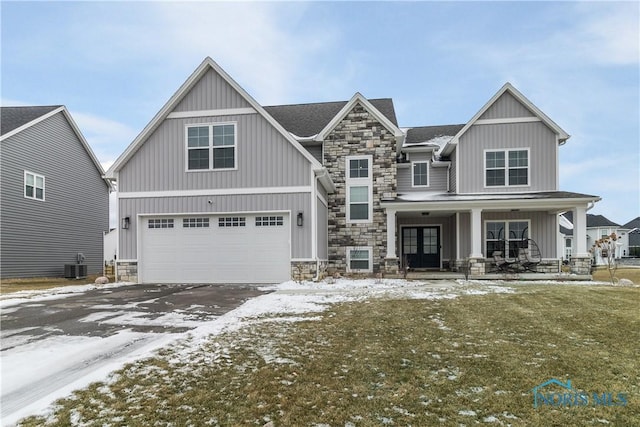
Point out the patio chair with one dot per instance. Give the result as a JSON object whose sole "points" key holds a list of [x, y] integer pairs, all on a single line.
{"points": [[503, 264], [529, 255]]}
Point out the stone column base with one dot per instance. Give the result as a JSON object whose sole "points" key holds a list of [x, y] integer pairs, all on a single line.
{"points": [[306, 270], [391, 266], [127, 271], [581, 265], [476, 266]]}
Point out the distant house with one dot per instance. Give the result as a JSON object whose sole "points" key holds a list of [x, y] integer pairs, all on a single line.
{"points": [[633, 237], [598, 227], [54, 197], [218, 188]]}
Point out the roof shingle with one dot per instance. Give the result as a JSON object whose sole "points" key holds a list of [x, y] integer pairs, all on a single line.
{"points": [[14, 117]]}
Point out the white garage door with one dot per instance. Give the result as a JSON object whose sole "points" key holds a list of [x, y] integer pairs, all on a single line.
{"points": [[215, 249]]}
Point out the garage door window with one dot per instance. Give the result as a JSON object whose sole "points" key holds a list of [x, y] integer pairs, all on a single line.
{"points": [[232, 221], [160, 223], [195, 223], [269, 221]]}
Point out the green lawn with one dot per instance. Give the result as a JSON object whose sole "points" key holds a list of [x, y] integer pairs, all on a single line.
{"points": [[392, 362]]}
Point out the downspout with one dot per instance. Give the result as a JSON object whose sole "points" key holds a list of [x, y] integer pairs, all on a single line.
{"points": [[314, 205]]}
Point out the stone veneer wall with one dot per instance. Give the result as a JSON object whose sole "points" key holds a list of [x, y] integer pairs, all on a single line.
{"points": [[127, 271], [306, 270], [359, 133]]}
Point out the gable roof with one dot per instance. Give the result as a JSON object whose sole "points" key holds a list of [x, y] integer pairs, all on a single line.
{"points": [[634, 223], [377, 114], [593, 220], [20, 118], [507, 87], [308, 120], [202, 69], [13, 118]]}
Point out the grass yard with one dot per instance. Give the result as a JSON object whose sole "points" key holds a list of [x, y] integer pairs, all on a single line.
{"points": [[40, 283], [601, 274], [472, 359]]}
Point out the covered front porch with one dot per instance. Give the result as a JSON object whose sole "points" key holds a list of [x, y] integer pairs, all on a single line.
{"points": [[463, 234]]}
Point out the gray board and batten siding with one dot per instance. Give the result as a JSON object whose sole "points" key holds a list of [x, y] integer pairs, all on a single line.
{"points": [[264, 159], [39, 237]]}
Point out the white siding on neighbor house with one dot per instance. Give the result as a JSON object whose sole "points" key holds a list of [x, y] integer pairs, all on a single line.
{"points": [[39, 236], [535, 136], [294, 203], [264, 159]]}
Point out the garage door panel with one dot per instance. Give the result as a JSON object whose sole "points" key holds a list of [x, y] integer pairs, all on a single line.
{"points": [[217, 254]]}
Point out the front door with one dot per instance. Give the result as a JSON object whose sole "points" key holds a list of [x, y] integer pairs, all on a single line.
{"points": [[421, 246]]}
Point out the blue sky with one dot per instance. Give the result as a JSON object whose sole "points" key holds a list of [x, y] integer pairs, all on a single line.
{"points": [[115, 64]]}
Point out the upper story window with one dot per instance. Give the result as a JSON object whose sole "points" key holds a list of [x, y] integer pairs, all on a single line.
{"points": [[33, 186], [505, 168], [420, 174], [359, 189], [211, 147]]}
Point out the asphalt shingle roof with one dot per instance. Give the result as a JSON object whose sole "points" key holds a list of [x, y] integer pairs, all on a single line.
{"points": [[14, 117], [594, 220], [429, 133], [306, 120], [634, 223]]}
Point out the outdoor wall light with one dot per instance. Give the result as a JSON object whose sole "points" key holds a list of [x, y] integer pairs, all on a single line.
{"points": [[125, 222], [299, 219]]}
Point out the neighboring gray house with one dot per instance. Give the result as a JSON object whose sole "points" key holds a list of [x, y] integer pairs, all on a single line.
{"points": [[634, 237], [55, 201], [218, 188]]}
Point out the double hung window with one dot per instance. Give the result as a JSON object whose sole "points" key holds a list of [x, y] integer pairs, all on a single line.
{"points": [[359, 259], [420, 174], [359, 189], [33, 186], [211, 147], [506, 168]]}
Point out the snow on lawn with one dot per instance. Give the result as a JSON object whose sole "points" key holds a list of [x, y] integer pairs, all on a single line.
{"points": [[51, 360]]}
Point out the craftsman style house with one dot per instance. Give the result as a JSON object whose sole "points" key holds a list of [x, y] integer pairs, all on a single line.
{"points": [[218, 188], [55, 201]]}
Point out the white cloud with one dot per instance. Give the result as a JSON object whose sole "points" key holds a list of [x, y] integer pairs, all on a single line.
{"points": [[107, 137]]}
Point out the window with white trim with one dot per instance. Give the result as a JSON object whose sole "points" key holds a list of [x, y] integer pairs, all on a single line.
{"points": [[505, 236], [504, 168], [232, 221], [359, 189], [195, 223], [211, 147], [420, 174], [269, 221], [33, 186], [359, 259], [161, 223]]}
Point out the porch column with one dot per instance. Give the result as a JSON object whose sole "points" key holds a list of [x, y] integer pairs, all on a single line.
{"points": [[391, 233], [476, 233], [580, 258], [391, 260], [580, 232]]}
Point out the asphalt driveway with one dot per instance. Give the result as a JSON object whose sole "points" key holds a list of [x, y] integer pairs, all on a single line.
{"points": [[51, 343]]}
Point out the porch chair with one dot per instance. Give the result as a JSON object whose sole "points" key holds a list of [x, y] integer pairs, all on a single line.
{"points": [[529, 255], [503, 264]]}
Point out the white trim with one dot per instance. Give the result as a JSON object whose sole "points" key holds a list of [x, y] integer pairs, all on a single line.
{"points": [[359, 248], [359, 182], [314, 214], [413, 183], [213, 192], [422, 225], [507, 87], [206, 65], [31, 123], [35, 177], [506, 224], [357, 97], [506, 167], [507, 120], [211, 113], [211, 147]]}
